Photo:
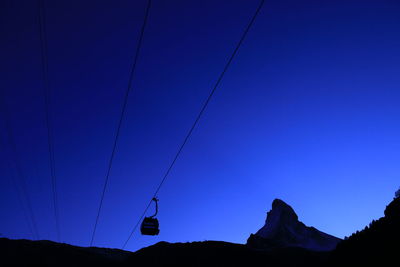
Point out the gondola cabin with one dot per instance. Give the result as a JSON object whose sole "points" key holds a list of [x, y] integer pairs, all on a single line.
{"points": [[150, 226]]}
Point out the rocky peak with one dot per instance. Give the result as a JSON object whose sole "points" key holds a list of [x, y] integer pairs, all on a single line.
{"points": [[283, 210], [283, 229], [280, 214]]}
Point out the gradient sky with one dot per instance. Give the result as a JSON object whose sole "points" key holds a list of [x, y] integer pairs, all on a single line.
{"points": [[308, 112]]}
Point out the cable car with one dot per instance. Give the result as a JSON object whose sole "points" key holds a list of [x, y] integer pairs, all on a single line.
{"points": [[150, 225]]}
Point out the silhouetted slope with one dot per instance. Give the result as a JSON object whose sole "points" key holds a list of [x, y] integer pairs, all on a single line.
{"points": [[377, 243], [283, 229], [47, 253], [208, 253], [215, 253]]}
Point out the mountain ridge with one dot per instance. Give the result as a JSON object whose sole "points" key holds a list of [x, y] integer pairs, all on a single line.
{"points": [[283, 229], [377, 244]]}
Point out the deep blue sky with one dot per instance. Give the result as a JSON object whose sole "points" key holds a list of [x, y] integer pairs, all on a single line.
{"points": [[308, 112]]}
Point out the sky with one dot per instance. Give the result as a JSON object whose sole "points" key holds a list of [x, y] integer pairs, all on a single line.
{"points": [[308, 112]]}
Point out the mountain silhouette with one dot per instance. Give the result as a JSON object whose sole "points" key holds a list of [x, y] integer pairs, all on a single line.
{"points": [[217, 253], [377, 244], [283, 229], [47, 253]]}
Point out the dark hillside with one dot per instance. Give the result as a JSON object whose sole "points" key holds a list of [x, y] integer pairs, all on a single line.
{"points": [[215, 253], [47, 253], [377, 243]]}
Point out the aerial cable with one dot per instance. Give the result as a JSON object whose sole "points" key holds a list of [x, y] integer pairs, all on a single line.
{"points": [[19, 180], [46, 87], [130, 81], [197, 119], [28, 220]]}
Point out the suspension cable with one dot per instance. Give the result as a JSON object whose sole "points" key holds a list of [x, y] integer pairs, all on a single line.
{"points": [[19, 181], [197, 118], [50, 143], [132, 73]]}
